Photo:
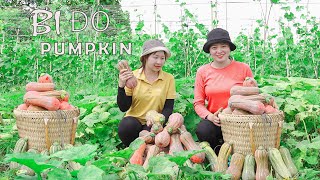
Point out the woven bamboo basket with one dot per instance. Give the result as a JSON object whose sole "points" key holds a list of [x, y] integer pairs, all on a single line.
{"points": [[265, 131], [43, 128]]}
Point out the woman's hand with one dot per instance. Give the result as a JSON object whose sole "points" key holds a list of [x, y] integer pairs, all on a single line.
{"points": [[214, 117], [124, 75]]}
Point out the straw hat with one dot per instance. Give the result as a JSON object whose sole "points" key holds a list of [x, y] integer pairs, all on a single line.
{"points": [[154, 45]]}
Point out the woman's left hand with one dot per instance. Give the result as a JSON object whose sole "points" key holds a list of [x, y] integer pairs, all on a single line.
{"points": [[214, 117]]}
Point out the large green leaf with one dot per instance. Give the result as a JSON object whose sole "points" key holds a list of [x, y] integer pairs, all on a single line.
{"points": [[59, 174], [90, 172], [127, 152], [80, 154], [315, 145], [94, 118], [115, 114], [312, 160], [136, 171], [110, 164], [36, 162], [124, 153], [161, 165]]}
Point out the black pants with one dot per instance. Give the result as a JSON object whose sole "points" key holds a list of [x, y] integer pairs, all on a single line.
{"points": [[207, 131], [129, 129]]}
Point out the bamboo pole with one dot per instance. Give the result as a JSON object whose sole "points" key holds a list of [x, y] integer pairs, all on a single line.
{"points": [[155, 16]]}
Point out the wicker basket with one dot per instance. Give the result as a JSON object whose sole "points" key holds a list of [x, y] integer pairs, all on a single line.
{"points": [[42, 128], [265, 131]]}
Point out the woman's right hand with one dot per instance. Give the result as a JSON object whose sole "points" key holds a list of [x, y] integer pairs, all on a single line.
{"points": [[124, 75]]}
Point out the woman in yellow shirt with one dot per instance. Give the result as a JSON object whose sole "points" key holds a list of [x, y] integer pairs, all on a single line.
{"points": [[155, 90]]}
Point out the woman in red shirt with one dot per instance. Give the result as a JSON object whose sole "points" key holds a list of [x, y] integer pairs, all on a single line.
{"points": [[213, 83]]}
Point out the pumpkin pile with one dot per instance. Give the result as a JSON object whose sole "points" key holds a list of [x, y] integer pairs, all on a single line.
{"points": [[247, 99], [42, 96], [169, 139], [256, 166]]}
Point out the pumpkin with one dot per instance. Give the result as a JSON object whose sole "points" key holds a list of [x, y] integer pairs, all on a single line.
{"points": [[55, 147], [250, 82], [236, 165], [22, 107], [36, 108], [21, 146], [137, 157], [278, 163], [254, 107], [227, 110], [147, 136], [153, 117], [285, 154], [210, 154], [240, 112], [49, 103], [245, 91], [261, 156], [175, 121], [132, 82], [270, 110], [248, 168], [35, 86], [175, 144], [61, 95], [156, 128], [222, 161], [45, 78], [188, 142], [265, 99], [162, 139], [153, 151]]}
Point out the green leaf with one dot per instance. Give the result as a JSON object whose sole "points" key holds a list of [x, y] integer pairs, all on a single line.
{"points": [[139, 26], [312, 160], [59, 174], [99, 109], [134, 145], [290, 109], [104, 116], [161, 165], [111, 163], [303, 145], [111, 177], [315, 145], [298, 133], [124, 153], [289, 16], [308, 173], [22, 177], [36, 162], [90, 172], [181, 157], [188, 170], [95, 117], [91, 119], [80, 154], [137, 170], [115, 114], [289, 126]]}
